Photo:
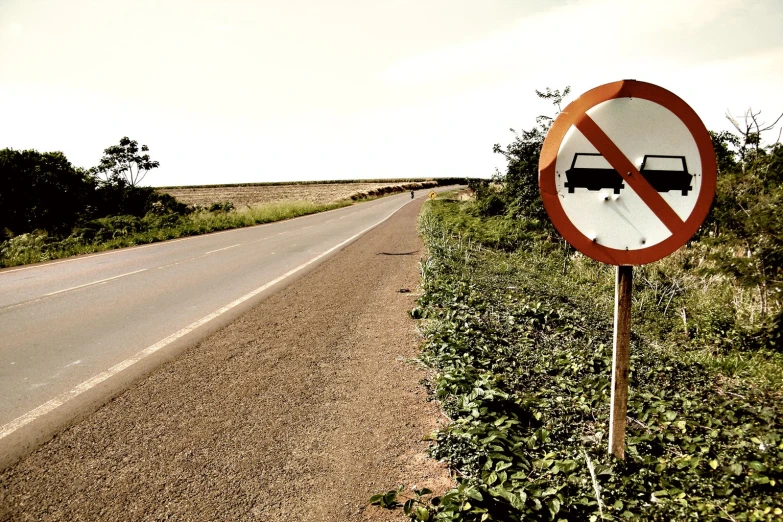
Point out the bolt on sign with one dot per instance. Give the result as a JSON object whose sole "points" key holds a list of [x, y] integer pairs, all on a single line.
{"points": [[627, 175]]}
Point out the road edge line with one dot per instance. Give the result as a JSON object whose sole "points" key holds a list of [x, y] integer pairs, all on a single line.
{"points": [[51, 405], [42, 264]]}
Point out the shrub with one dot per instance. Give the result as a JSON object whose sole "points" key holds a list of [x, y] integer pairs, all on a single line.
{"points": [[521, 355]]}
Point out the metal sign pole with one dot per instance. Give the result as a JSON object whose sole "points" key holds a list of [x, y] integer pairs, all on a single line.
{"points": [[620, 360]]}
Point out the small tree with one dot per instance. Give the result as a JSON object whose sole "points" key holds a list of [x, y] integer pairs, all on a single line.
{"points": [[520, 181], [750, 130], [723, 142], [556, 97], [123, 163]]}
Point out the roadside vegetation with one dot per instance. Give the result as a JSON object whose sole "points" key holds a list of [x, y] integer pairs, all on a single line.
{"points": [[518, 332], [128, 230], [50, 209]]}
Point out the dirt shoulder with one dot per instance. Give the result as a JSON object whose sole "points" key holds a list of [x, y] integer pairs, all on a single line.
{"points": [[298, 411]]}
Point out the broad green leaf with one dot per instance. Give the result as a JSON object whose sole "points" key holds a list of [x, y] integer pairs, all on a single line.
{"points": [[422, 514], [500, 466], [473, 493]]}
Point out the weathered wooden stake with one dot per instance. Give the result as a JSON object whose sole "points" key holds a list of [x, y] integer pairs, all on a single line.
{"points": [[620, 360]]}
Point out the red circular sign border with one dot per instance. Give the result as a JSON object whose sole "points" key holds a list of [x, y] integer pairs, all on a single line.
{"points": [[551, 147]]}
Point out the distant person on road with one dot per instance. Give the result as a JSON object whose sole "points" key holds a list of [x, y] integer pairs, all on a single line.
{"points": [[411, 194]]}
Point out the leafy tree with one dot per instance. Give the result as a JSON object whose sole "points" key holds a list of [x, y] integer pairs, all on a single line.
{"points": [[119, 198], [750, 131], [44, 191], [556, 97], [743, 233], [746, 225], [489, 201], [124, 163], [41, 191], [520, 181], [722, 143]]}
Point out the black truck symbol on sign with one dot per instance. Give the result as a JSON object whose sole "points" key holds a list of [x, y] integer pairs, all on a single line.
{"points": [[591, 171]]}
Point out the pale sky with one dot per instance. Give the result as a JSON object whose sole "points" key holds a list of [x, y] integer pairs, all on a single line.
{"points": [[247, 91]]}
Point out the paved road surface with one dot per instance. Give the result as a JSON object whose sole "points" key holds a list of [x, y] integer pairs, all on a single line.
{"points": [[298, 410], [65, 323]]}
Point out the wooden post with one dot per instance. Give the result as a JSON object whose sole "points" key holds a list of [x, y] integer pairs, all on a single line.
{"points": [[620, 360]]}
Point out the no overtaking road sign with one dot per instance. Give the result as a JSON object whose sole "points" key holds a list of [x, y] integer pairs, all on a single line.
{"points": [[627, 173]]}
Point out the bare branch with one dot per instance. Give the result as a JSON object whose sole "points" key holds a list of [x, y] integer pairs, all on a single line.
{"points": [[733, 121], [772, 125]]}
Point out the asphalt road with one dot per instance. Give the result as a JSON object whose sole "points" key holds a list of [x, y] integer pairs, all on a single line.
{"points": [[67, 326], [298, 410]]}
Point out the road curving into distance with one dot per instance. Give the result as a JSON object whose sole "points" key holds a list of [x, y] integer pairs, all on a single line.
{"points": [[75, 330], [298, 410]]}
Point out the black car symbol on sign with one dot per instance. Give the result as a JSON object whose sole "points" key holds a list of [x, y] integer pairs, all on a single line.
{"points": [[664, 173], [594, 174], [667, 173]]}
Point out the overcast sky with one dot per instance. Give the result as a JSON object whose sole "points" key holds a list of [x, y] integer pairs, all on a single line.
{"points": [[242, 91]]}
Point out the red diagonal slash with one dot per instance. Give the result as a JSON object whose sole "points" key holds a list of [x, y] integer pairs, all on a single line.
{"points": [[623, 165]]}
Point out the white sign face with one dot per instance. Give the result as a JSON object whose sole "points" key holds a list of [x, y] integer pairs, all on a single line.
{"points": [[627, 173], [595, 197]]}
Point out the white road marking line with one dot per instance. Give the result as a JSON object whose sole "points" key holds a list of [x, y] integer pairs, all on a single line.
{"points": [[61, 399], [181, 262], [197, 257], [97, 254], [221, 249], [162, 243], [94, 283]]}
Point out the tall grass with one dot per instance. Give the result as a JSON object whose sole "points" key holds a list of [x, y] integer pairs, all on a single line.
{"points": [[519, 343], [124, 231], [680, 306]]}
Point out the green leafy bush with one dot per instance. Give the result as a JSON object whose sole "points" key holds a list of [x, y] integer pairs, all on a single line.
{"points": [[737, 253], [522, 360], [127, 230], [225, 206], [41, 191], [28, 248]]}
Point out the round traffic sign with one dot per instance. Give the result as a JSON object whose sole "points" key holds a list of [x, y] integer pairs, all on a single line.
{"points": [[627, 173]]}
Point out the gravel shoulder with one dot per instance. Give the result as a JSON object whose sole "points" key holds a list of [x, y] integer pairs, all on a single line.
{"points": [[298, 411]]}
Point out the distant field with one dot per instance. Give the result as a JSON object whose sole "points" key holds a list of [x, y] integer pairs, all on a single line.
{"points": [[249, 195]]}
